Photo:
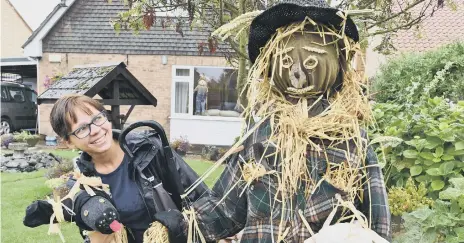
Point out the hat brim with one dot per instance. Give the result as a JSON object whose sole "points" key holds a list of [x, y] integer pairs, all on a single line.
{"points": [[265, 25]]}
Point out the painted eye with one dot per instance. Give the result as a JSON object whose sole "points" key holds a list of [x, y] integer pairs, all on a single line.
{"points": [[287, 61], [310, 62]]}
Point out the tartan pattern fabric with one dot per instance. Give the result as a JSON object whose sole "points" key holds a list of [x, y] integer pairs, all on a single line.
{"points": [[254, 211]]}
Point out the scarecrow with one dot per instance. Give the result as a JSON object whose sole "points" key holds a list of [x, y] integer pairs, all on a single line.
{"points": [[303, 170], [201, 96], [97, 213]]}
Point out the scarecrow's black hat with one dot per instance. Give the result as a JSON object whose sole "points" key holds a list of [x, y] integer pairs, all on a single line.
{"points": [[289, 11]]}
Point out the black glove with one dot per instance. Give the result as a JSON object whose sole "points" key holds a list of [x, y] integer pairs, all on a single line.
{"points": [[173, 220], [40, 211]]}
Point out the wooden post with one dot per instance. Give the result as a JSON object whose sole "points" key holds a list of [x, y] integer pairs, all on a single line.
{"points": [[115, 111]]}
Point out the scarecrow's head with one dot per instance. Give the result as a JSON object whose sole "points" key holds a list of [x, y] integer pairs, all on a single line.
{"points": [[305, 46]]}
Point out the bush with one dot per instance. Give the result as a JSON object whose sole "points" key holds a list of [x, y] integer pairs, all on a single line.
{"points": [[431, 142], [181, 145], [442, 223], [6, 139], [403, 79], [60, 169], [405, 200], [24, 136]]}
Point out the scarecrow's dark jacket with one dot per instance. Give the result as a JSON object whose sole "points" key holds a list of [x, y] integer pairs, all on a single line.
{"points": [[148, 170]]}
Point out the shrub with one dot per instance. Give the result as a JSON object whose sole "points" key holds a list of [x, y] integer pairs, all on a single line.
{"points": [[442, 223], [405, 200], [24, 136], [431, 147], [6, 139], [403, 79], [181, 145], [60, 169]]}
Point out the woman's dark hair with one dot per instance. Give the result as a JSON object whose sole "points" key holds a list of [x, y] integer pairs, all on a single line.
{"points": [[63, 112]]}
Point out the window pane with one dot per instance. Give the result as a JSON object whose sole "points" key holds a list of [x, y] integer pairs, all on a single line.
{"points": [[4, 94], [182, 72], [32, 95], [181, 97], [215, 92], [16, 94]]}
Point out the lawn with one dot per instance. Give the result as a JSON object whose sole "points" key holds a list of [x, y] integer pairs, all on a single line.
{"points": [[19, 189]]}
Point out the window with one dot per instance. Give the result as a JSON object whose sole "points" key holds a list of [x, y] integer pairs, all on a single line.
{"points": [[32, 95], [182, 72], [181, 101], [17, 94], [5, 94], [205, 91]]}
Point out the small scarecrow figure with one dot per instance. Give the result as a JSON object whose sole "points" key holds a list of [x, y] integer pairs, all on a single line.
{"points": [[98, 215], [201, 96], [306, 172]]}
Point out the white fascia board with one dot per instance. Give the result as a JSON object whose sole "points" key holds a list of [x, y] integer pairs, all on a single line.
{"points": [[34, 48]]}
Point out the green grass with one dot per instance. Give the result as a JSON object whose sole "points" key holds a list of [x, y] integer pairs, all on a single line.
{"points": [[18, 190]]}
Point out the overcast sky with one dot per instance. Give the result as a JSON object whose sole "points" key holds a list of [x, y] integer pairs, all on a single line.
{"points": [[34, 11]]}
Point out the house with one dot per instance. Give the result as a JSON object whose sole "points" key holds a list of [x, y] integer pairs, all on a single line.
{"points": [[444, 27], [14, 31], [169, 66]]}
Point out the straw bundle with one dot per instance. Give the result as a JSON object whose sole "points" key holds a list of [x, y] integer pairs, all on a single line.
{"points": [[345, 177], [156, 233]]}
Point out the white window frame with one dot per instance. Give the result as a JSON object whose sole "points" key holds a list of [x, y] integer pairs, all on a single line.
{"points": [[184, 79], [190, 80]]}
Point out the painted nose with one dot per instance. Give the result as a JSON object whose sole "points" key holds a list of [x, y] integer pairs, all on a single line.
{"points": [[297, 74]]}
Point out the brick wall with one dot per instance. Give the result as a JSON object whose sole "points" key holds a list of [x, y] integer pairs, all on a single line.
{"points": [[14, 31], [148, 69]]}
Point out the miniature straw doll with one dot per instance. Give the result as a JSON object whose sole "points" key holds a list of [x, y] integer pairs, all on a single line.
{"points": [[306, 166]]}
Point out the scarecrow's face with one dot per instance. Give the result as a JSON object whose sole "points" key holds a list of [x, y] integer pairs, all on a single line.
{"points": [[305, 65]]}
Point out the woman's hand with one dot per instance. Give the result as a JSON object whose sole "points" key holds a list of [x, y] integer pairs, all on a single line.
{"points": [[174, 221]]}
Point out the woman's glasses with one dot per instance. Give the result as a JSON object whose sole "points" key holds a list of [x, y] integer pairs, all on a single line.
{"points": [[84, 130]]}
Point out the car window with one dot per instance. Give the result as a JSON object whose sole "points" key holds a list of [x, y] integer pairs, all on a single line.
{"points": [[32, 95], [17, 94], [4, 94]]}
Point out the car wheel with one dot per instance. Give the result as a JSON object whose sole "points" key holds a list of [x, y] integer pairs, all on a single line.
{"points": [[5, 126]]}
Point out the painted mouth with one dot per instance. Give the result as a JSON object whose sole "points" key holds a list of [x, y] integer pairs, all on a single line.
{"points": [[305, 90]]}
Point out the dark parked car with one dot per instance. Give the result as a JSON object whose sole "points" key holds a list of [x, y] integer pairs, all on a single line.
{"points": [[19, 107]]}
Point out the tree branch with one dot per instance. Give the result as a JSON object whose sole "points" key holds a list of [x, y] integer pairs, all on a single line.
{"points": [[395, 15], [405, 26]]}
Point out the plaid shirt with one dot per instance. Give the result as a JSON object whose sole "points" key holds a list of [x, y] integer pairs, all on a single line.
{"points": [[254, 210]]}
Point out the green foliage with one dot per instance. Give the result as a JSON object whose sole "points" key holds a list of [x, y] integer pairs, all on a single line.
{"points": [[442, 223], [432, 147], [405, 200], [404, 79], [24, 136], [60, 169]]}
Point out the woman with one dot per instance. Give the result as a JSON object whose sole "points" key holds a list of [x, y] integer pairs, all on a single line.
{"points": [[140, 186]]}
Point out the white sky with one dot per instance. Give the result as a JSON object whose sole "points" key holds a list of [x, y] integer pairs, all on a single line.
{"points": [[34, 11]]}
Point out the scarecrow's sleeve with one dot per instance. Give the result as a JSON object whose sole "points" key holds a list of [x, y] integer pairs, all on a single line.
{"points": [[223, 213], [375, 202], [188, 177]]}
